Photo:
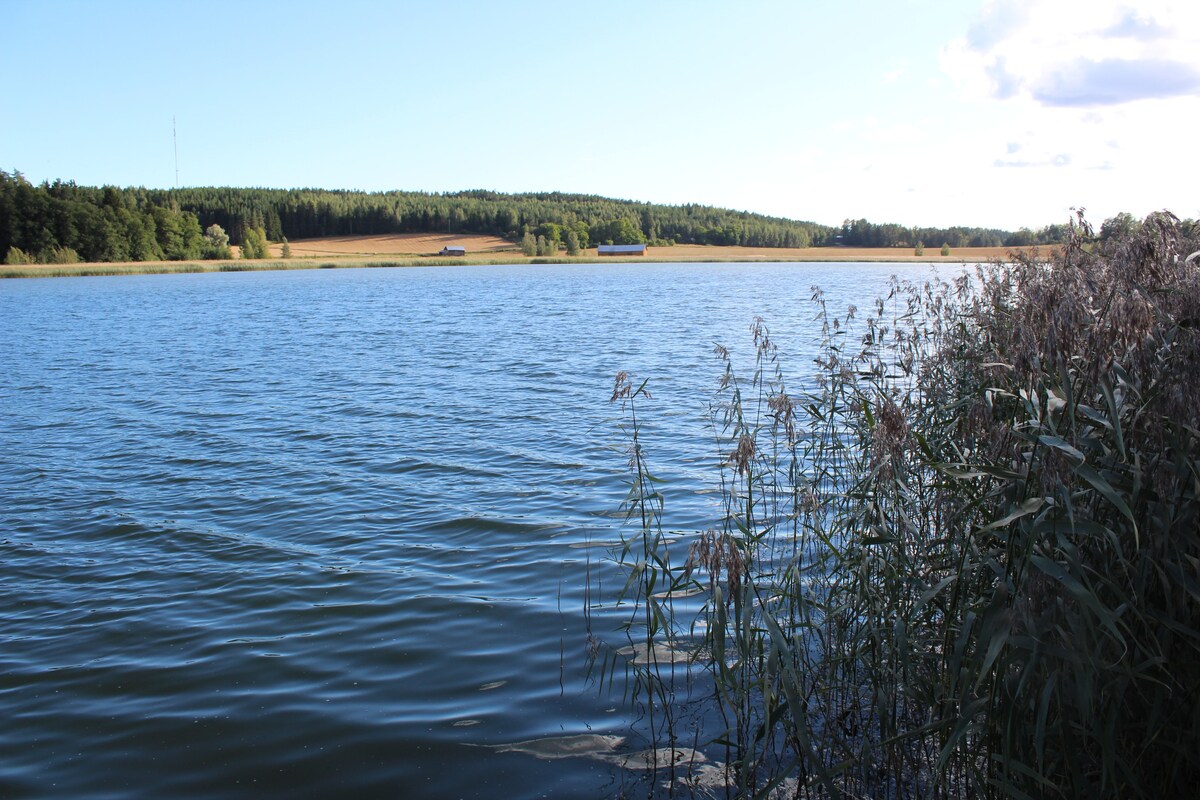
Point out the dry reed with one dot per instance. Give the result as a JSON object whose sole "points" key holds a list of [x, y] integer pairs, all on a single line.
{"points": [[965, 561]]}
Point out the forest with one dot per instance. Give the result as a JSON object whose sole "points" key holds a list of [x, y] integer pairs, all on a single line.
{"points": [[62, 222]]}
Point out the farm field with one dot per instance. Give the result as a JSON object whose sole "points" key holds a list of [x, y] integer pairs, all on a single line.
{"points": [[399, 244], [412, 250], [422, 244]]}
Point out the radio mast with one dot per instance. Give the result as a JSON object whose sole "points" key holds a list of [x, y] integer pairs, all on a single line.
{"points": [[175, 142]]}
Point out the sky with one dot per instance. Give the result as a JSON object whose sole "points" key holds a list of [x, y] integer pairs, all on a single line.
{"points": [[988, 113]]}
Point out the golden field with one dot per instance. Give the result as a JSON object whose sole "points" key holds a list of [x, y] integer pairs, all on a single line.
{"points": [[398, 244], [422, 244], [421, 249]]}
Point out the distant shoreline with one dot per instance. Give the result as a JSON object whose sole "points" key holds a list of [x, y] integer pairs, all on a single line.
{"points": [[374, 251]]}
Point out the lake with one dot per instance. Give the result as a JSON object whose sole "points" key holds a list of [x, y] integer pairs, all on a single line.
{"points": [[329, 531]]}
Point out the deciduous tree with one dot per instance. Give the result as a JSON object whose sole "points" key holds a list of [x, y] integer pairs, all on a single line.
{"points": [[216, 243], [254, 243]]}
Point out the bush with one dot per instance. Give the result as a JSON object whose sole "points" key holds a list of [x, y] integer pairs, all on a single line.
{"points": [[254, 244], [58, 255], [16, 255], [945, 249], [216, 243], [964, 563]]}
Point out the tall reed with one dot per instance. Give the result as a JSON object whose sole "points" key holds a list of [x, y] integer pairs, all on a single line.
{"points": [[964, 559]]}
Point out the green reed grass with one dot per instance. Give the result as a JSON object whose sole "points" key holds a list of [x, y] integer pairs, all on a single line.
{"points": [[650, 630], [964, 561]]}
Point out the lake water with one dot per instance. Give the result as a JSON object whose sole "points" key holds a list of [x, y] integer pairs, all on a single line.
{"points": [[328, 532]]}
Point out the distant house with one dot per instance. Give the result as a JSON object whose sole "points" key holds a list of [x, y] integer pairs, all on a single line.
{"points": [[453, 250], [621, 250]]}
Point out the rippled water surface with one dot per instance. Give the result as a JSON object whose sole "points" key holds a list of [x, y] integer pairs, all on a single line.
{"points": [[302, 533]]}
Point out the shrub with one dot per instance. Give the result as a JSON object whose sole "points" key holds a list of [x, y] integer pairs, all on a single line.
{"points": [[16, 255], [254, 244], [215, 244], [59, 255]]}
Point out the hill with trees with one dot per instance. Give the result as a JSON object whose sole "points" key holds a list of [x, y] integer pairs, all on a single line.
{"points": [[62, 222]]}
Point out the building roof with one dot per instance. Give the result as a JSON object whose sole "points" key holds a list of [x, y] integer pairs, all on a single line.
{"points": [[621, 248]]}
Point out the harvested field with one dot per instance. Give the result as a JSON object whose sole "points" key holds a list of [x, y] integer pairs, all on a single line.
{"points": [[696, 252], [423, 244], [397, 244], [418, 250]]}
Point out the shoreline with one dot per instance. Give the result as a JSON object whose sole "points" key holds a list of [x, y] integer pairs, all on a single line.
{"points": [[113, 269]]}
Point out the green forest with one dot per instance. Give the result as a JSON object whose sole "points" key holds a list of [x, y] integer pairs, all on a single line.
{"points": [[62, 222]]}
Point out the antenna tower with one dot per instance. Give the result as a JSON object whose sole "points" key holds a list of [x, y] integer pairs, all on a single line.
{"points": [[175, 142]]}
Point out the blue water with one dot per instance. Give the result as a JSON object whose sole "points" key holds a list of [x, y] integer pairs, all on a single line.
{"points": [[305, 533]]}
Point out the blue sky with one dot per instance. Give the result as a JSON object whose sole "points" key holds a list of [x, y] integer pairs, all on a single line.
{"points": [[1001, 113]]}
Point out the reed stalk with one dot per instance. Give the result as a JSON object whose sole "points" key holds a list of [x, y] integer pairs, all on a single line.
{"points": [[963, 560]]}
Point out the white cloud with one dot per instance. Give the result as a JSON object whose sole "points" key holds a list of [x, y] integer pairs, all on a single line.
{"points": [[1073, 53], [1063, 104], [1113, 81]]}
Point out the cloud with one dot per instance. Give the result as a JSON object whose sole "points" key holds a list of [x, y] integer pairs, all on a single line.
{"points": [[1114, 81], [1133, 25], [997, 21], [1005, 84], [1060, 160], [1079, 53]]}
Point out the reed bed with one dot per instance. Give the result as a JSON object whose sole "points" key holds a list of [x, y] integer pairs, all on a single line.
{"points": [[173, 267], [962, 560]]}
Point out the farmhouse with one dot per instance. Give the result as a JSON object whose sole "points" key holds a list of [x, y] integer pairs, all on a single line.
{"points": [[621, 250], [453, 250]]}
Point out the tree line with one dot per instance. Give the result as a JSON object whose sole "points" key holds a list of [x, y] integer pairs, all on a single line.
{"points": [[62, 221], [310, 213], [861, 233]]}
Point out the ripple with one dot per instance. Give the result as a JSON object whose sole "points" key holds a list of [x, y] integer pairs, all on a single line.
{"points": [[320, 532]]}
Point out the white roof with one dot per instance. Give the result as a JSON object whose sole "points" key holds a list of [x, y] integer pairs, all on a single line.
{"points": [[622, 248]]}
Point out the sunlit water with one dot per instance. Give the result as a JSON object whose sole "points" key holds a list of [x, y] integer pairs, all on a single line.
{"points": [[318, 532]]}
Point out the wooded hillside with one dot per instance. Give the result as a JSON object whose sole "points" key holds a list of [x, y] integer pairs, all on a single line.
{"points": [[61, 221]]}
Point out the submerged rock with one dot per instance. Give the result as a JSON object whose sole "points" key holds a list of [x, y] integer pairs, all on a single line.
{"points": [[656, 758], [715, 781], [661, 653], [586, 745]]}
